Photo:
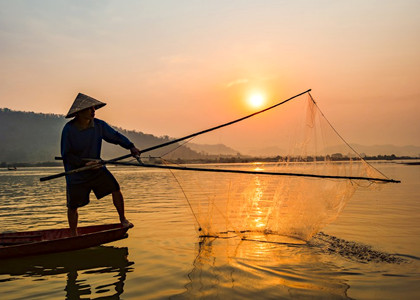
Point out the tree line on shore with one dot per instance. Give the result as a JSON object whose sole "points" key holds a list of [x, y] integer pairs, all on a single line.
{"points": [[226, 159], [33, 139]]}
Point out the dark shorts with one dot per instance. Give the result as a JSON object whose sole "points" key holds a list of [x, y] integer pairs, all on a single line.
{"points": [[102, 184]]}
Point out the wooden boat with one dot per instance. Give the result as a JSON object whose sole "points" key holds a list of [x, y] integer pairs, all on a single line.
{"points": [[18, 244]]}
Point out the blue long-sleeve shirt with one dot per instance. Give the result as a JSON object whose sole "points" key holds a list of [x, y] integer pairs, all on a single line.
{"points": [[77, 145]]}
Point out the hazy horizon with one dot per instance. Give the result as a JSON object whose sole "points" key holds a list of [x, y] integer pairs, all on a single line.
{"points": [[225, 146], [173, 68]]}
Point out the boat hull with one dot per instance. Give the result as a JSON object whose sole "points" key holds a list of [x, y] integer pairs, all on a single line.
{"points": [[18, 244]]}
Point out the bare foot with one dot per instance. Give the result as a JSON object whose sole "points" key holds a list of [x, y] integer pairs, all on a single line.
{"points": [[73, 232], [126, 223]]}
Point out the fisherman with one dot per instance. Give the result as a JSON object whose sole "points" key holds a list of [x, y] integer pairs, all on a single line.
{"points": [[81, 142]]}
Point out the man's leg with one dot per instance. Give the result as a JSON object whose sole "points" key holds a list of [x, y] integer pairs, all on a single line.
{"points": [[77, 196], [118, 200], [72, 216]]}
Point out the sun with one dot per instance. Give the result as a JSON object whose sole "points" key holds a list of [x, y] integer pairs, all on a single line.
{"points": [[256, 100]]}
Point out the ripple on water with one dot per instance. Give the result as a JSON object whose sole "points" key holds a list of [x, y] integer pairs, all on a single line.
{"points": [[353, 250]]}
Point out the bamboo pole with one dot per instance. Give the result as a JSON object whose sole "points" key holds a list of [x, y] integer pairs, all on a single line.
{"points": [[185, 168], [173, 141]]}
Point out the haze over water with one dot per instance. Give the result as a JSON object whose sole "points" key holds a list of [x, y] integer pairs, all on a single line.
{"points": [[163, 257]]}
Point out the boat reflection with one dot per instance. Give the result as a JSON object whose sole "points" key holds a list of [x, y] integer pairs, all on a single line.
{"points": [[87, 270], [232, 268]]}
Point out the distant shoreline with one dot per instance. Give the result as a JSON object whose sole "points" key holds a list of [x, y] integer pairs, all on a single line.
{"points": [[389, 158]]}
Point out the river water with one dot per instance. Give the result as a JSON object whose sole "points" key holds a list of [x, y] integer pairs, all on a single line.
{"points": [[372, 251]]}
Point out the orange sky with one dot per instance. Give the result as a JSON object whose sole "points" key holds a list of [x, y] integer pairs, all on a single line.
{"points": [[176, 67]]}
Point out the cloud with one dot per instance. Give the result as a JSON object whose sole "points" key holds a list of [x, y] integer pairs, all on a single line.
{"points": [[237, 81]]}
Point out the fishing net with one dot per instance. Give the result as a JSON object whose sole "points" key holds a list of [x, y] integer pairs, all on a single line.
{"points": [[298, 173]]}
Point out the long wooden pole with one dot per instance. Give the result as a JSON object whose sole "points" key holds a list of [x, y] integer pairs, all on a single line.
{"points": [[184, 168], [219, 126], [174, 141]]}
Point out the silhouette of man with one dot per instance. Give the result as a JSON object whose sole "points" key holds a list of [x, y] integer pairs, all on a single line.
{"points": [[81, 142]]}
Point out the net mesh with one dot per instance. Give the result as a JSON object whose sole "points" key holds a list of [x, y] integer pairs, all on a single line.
{"points": [[292, 138]]}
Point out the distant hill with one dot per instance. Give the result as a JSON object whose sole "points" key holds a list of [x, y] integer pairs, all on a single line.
{"points": [[265, 151], [375, 150], [28, 137], [218, 149], [410, 150]]}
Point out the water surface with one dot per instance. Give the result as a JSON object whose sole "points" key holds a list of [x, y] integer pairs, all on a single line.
{"points": [[370, 252]]}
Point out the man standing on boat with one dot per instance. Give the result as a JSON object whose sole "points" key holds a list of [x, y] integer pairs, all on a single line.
{"points": [[81, 142]]}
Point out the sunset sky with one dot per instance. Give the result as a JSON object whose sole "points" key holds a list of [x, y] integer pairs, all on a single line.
{"points": [[176, 67]]}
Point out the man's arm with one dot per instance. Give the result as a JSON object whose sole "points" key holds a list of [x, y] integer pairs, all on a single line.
{"points": [[110, 135]]}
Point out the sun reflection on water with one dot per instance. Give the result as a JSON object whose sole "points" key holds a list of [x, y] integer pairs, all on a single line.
{"points": [[257, 221]]}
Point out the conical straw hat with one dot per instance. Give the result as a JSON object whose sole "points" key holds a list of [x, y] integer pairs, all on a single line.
{"points": [[82, 102]]}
